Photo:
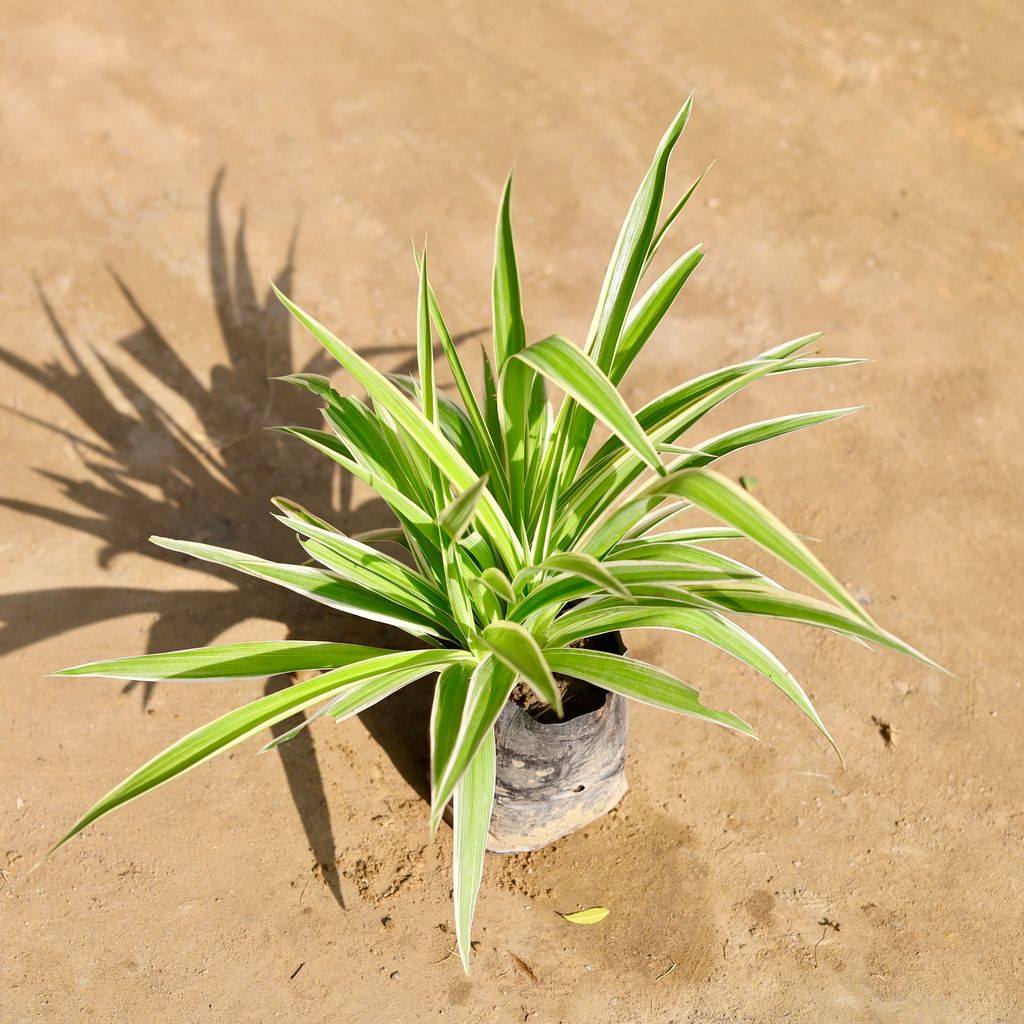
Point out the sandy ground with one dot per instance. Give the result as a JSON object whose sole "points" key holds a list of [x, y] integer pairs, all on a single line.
{"points": [[160, 162]]}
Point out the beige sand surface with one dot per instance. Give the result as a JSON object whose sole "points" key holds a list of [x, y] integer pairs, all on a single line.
{"points": [[868, 183]]}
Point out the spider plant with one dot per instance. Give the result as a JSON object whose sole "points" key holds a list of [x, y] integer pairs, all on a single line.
{"points": [[520, 539]]}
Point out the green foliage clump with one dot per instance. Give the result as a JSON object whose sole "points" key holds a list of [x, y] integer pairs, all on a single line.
{"points": [[520, 543]]}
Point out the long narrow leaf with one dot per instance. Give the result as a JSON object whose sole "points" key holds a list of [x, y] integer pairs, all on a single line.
{"points": [[587, 567], [456, 574], [471, 816], [419, 529], [640, 681], [454, 423], [781, 604], [492, 415], [667, 223], [489, 689], [471, 407], [509, 338], [667, 408], [428, 389], [653, 549], [236, 726], [630, 575], [631, 249], [692, 535], [610, 472], [715, 629], [357, 697], [650, 310], [446, 717], [629, 259], [375, 563], [229, 661], [757, 433], [728, 502], [400, 502], [436, 611], [575, 373], [318, 584], [425, 347]]}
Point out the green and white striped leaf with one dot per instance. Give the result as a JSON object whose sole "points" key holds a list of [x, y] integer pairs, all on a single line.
{"points": [[514, 378], [693, 535], [640, 681], [229, 661], [757, 433], [399, 501], [319, 585], [650, 310], [236, 726], [606, 616], [370, 564], [422, 601], [666, 417], [457, 516], [612, 470], [471, 817], [667, 223], [516, 646], [450, 695], [492, 415], [489, 688], [629, 258], [457, 572], [654, 550], [633, 576], [357, 697], [470, 406], [587, 567], [720, 497], [497, 583], [425, 348], [784, 604], [575, 373], [627, 264]]}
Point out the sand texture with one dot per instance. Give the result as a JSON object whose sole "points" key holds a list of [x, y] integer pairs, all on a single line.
{"points": [[161, 161]]}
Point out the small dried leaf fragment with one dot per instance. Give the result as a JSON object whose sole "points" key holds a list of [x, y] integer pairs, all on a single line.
{"points": [[523, 971]]}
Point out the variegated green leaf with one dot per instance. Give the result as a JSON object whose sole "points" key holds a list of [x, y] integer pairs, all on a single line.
{"points": [[572, 370], [236, 726], [229, 661], [471, 816], [516, 646], [456, 517], [488, 691], [639, 681]]}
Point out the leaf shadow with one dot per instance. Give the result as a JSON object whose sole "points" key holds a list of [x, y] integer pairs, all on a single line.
{"points": [[143, 472]]}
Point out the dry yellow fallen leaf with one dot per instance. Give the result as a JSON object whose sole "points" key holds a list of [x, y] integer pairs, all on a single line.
{"points": [[589, 916]]}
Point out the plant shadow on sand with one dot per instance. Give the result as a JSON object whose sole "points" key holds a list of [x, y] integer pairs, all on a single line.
{"points": [[143, 473]]}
